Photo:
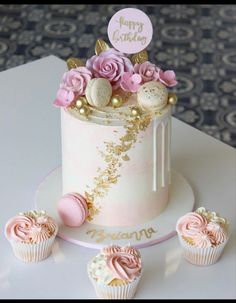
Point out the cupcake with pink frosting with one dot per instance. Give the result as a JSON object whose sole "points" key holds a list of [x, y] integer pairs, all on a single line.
{"points": [[31, 235], [203, 235], [115, 272]]}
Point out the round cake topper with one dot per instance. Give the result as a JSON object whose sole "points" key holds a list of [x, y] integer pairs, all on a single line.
{"points": [[130, 30]]}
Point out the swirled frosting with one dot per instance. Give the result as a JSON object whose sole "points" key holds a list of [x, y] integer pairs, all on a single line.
{"points": [[203, 228], [111, 249], [39, 233], [30, 227], [203, 239], [131, 250], [124, 266], [218, 232], [191, 224], [115, 262], [18, 228]]}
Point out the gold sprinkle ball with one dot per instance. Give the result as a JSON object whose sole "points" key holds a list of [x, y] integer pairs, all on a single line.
{"points": [[84, 110], [172, 98], [135, 112], [80, 102], [116, 101]]}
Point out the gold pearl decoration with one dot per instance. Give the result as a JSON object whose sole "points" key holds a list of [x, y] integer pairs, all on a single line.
{"points": [[116, 101], [84, 111], [81, 105], [172, 98], [135, 112], [80, 102]]}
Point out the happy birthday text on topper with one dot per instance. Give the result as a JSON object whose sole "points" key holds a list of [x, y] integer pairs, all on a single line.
{"points": [[130, 30]]}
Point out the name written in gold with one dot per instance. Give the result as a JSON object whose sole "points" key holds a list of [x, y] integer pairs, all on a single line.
{"points": [[101, 235]]}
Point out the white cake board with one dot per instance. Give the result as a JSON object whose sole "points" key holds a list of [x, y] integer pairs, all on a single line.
{"points": [[95, 236]]}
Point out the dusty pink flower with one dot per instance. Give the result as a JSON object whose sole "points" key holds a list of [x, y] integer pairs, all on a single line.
{"points": [[76, 79], [148, 71], [110, 64], [73, 84], [130, 82], [167, 77]]}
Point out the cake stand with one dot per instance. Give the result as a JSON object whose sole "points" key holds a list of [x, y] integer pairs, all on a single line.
{"points": [[96, 236]]}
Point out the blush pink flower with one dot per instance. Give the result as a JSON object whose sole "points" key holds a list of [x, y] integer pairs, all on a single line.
{"points": [[110, 64], [148, 71], [130, 82], [167, 77], [73, 85]]}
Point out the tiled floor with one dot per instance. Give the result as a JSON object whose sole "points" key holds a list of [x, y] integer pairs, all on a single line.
{"points": [[197, 41]]}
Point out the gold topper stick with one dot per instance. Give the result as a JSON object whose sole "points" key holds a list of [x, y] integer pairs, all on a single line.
{"points": [[101, 46]]}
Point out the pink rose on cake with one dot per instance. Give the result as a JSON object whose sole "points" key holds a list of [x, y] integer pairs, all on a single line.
{"points": [[130, 82], [148, 71], [110, 64], [73, 85], [167, 77]]}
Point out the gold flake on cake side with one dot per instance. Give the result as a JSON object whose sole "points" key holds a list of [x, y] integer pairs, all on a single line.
{"points": [[114, 155]]}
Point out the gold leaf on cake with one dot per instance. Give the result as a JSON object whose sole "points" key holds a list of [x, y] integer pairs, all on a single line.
{"points": [[188, 240], [125, 158], [101, 46], [74, 62], [139, 57], [113, 155]]}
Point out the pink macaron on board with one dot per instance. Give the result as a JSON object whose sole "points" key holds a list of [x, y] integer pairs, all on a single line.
{"points": [[72, 209]]}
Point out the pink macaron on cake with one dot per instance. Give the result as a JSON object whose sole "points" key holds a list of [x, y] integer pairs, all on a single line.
{"points": [[31, 235], [72, 209], [203, 235]]}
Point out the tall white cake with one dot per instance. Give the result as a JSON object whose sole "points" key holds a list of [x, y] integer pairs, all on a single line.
{"points": [[116, 136]]}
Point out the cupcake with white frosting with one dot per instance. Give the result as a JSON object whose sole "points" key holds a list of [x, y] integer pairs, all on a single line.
{"points": [[203, 235], [115, 272], [31, 235]]}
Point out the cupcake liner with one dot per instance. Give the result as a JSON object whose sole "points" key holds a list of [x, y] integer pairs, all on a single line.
{"points": [[125, 291], [33, 252], [202, 256]]}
